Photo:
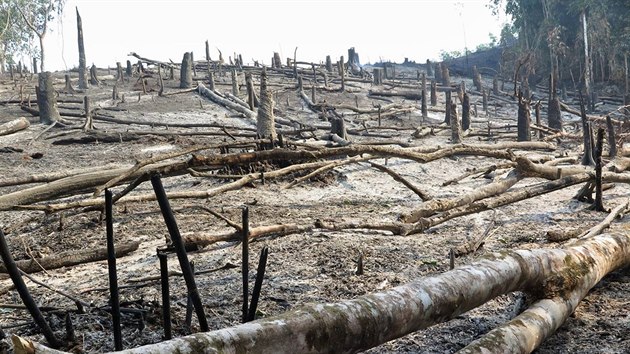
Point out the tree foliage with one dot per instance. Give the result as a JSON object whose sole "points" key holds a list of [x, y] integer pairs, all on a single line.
{"points": [[551, 30]]}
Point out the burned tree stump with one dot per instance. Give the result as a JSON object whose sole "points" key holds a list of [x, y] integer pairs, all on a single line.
{"points": [[251, 95], [83, 82], [329, 66], [185, 77], [587, 158], [208, 52], [129, 70], [115, 93], [446, 77], [210, 80], [378, 76], [495, 86], [466, 112], [235, 89], [68, 85], [599, 148], [612, 142], [523, 123], [456, 129], [46, 99], [477, 79], [423, 93], [119, 72], [277, 62], [338, 128], [447, 106], [484, 100], [538, 122], [88, 114], [433, 93], [429, 68], [34, 66], [265, 122], [93, 77], [342, 74], [554, 115]]}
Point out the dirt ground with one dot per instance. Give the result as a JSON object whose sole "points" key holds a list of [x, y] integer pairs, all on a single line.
{"points": [[312, 267]]}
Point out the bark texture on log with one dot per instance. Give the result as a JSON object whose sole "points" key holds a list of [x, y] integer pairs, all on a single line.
{"points": [[564, 275], [46, 99]]}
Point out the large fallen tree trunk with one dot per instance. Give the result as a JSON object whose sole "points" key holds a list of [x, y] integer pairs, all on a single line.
{"points": [[562, 276]]}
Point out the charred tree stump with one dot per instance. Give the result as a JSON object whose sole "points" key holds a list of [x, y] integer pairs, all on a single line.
{"points": [[456, 129], [433, 93], [20, 286], [612, 142], [446, 77], [554, 115], [484, 100], [211, 85], [329, 66], [265, 122], [378, 76], [466, 112], [93, 78], [429, 66], [88, 114], [68, 84], [115, 93], [277, 62], [477, 79], [46, 99], [34, 66], [495, 86], [192, 64], [598, 205], [83, 81], [423, 93], [11, 73], [185, 78], [119, 72], [587, 158], [166, 299], [235, 89], [342, 74], [437, 69], [300, 84], [249, 85], [524, 133], [208, 52], [538, 120], [313, 94], [129, 70], [338, 127], [180, 249], [447, 106], [111, 267]]}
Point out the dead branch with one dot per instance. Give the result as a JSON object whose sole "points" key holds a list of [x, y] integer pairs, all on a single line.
{"points": [[70, 258], [422, 194]]}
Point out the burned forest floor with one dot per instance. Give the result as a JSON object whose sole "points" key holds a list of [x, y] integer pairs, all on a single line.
{"points": [[316, 264]]}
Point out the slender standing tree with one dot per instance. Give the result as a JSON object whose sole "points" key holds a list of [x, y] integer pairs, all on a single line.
{"points": [[36, 15]]}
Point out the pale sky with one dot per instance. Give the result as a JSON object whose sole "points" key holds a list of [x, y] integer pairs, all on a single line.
{"points": [[163, 30]]}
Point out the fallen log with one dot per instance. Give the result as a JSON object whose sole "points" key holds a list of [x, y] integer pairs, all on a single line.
{"points": [[70, 258], [77, 183], [205, 239], [14, 126], [561, 276]]}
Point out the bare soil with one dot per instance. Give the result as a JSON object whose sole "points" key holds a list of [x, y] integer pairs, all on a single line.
{"points": [[312, 267]]}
